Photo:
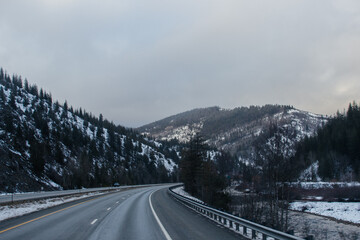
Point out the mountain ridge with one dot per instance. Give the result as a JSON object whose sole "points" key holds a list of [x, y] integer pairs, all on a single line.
{"points": [[236, 130]]}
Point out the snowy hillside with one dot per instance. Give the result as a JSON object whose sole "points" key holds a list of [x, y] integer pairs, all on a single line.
{"points": [[239, 130], [45, 145]]}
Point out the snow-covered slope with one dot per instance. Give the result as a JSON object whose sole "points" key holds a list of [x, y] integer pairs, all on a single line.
{"points": [[45, 145], [239, 130]]}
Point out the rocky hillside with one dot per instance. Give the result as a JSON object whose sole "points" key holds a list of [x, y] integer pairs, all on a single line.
{"points": [[47, 145], [239, 130]]}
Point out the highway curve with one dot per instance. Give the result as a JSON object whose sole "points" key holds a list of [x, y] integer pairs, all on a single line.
{"points": [[127, 214]]}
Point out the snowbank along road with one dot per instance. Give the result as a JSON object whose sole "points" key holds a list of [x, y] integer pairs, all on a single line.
{"points": [[143, 213]]}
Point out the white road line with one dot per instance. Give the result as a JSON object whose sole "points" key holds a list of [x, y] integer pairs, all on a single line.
{"points": [[167, 236], [92, 223], [108, 209]]}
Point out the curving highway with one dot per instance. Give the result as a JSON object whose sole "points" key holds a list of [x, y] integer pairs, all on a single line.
{"points": [[143, 213]]}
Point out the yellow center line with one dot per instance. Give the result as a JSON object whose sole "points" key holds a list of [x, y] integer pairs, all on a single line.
{"points": [[46, 215]]}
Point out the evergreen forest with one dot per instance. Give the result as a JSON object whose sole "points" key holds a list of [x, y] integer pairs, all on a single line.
{"points": [[47, 145]]}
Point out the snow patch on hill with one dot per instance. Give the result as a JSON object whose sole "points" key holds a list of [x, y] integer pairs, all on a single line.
{"points": [[311, 173]]}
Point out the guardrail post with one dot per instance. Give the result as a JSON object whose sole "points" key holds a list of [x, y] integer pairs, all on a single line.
{"points": [[253, 234], [237, 227], [230, 224], [264, 237], [12, 198], [244, 230]]}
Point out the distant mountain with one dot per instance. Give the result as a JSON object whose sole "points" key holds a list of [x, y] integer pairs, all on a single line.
{"points": [[46, 145], [239, 131]]}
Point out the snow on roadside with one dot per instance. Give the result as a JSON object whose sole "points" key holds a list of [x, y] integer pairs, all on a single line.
{"points": [[181, 191], [305, 224], [346, 211], [17, 210], [318, 185]]}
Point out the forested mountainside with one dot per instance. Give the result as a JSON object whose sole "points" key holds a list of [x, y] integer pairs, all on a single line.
{"points": [[240, 131], [47, 145], [334, 152]]}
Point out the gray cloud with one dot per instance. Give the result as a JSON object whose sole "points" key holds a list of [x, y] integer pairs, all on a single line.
{"points": [[139, 61]]}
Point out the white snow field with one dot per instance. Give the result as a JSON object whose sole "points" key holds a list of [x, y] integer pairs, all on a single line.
{"points": [[345, 211]]}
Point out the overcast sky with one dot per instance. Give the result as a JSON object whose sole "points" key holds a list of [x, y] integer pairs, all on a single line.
{"points": [[137, 61]]}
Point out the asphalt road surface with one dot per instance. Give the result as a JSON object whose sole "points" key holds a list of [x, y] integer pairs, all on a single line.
{"points": [[143, 213]]}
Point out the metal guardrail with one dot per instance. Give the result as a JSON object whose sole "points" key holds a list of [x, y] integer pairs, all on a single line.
{"points": [[16, 197], [30, 196], [244, 227]]}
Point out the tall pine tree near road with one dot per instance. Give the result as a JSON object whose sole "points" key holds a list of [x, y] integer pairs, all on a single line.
{"points": [[200, 176]]}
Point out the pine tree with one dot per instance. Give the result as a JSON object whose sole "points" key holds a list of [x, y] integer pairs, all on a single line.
{"points": [[8, 119], [191, 166], [65, 106], [26, 86], [59, 156], [2, 75], [12, 100], [37, 157], [2, 95]]}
